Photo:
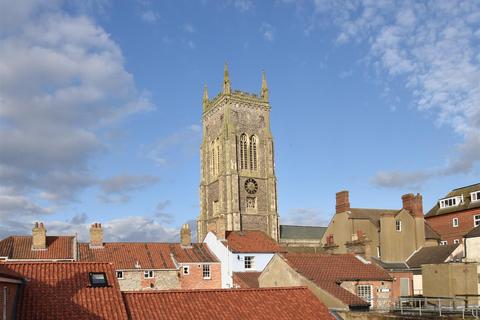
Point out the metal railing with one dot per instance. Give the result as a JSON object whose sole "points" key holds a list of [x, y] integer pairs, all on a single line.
{"points": [[464, 305]]}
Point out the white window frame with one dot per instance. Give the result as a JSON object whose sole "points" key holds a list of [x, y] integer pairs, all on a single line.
{"points": [[455, 222], [450, 202], [120, 273], [476, 220], [149, 274], [359, 293], [443, 242], [206, 271], [398, 225], [250, 261], [475, 196], [185, 270], [456, 241]]}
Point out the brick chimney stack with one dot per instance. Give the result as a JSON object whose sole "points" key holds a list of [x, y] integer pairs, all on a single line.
{"points": [[39, 236], [96, 235], [185, 235], [342, 201], [413, 203]]}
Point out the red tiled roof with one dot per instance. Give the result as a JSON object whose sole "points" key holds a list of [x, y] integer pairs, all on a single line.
{"points": [[251, 241], [61, 290], [150, 255], [197, 252], [125, 255], [265, 303], [20, 247], [7, 273], [246, 279], [327, 271]]}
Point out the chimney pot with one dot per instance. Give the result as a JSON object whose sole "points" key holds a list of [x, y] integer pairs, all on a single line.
{"points": [[96, 235], [185, 235], [342, 201], [39, 236]]}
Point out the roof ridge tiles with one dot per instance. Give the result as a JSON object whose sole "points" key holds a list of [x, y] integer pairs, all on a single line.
{"points": [[214, 290]]}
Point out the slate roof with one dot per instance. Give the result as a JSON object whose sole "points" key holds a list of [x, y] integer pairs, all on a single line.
{"points": [[371, 214], [329, 270], [246, 279], [149, 255], [20, 248], [261, 303], [467, 204], [475, 232], [61, 290], [428, 255], [392, 266], [301, 232], [251, 241]]}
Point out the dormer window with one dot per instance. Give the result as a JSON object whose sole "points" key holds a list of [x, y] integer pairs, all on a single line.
{"points": [[98, 279], [451, 202], [475, 196]]}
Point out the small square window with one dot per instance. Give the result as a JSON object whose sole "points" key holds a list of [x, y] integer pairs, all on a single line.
{"points": [[148, 274], [398, 225], [455, 222], [119, 274], [456, 241], [443, 242], [249, 262], [206, 271], [186, 270], [98, 279], [476, 220]]}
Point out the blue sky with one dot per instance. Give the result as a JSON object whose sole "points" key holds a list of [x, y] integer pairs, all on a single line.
{"points": [[100, 105]]}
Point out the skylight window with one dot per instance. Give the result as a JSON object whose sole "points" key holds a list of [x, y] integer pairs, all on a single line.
{"points": [[98, 279], [451, 202]]}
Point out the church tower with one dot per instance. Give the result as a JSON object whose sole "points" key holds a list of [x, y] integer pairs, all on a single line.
{"points": [[238, 189]]}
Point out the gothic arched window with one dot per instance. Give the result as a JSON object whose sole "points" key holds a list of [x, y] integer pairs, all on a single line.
{"points": [[243, 152], [217, 159], [212, 163], [253, 153]]}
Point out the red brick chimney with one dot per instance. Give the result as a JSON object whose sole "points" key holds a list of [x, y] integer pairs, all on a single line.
{"points": [[96, 235], [413, 203], [342, 202]]}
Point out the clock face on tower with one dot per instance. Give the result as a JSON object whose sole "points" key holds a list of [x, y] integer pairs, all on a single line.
{"points": [[251, 186]]}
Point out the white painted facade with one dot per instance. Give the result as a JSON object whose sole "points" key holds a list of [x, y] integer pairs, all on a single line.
{"points": [[234, 262], [472, 249]]}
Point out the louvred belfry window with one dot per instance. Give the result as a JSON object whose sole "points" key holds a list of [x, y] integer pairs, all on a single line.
{"points": [[243, 151], [253, 153]]}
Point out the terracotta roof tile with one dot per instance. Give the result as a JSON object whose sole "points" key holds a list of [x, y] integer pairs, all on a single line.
{"points": [[197, 252], [150, 255], [20, 248], [251, 242], [61, 290], [327, 271], [125, 255], [266, 303], [246, 279]]}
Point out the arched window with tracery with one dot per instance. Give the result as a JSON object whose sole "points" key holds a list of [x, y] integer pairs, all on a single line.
{"points": [[217, 159], [212, 163], [253, 153], [243, 152]]}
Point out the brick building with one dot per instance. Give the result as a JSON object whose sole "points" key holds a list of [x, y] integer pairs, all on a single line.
{"points": [[10, 283], [155, 265], [454, 215], [341, 281]]}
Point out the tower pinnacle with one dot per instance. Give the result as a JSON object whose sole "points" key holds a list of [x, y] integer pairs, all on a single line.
{"points": [[264, 92], [205, 97], [227, 89]]}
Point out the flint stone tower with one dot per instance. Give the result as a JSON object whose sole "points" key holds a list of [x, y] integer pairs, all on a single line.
{"points": [[238, 189]]}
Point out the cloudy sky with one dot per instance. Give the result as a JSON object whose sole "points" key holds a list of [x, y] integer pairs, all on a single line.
{"points": [[100, 105]]}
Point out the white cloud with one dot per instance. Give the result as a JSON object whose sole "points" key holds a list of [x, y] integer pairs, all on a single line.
{"points": [[150, 16], [243, 5], [118, 188], [187, 27], [267, 31], [173, 146], [304, 216], [63, 80], [433, 47]]}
